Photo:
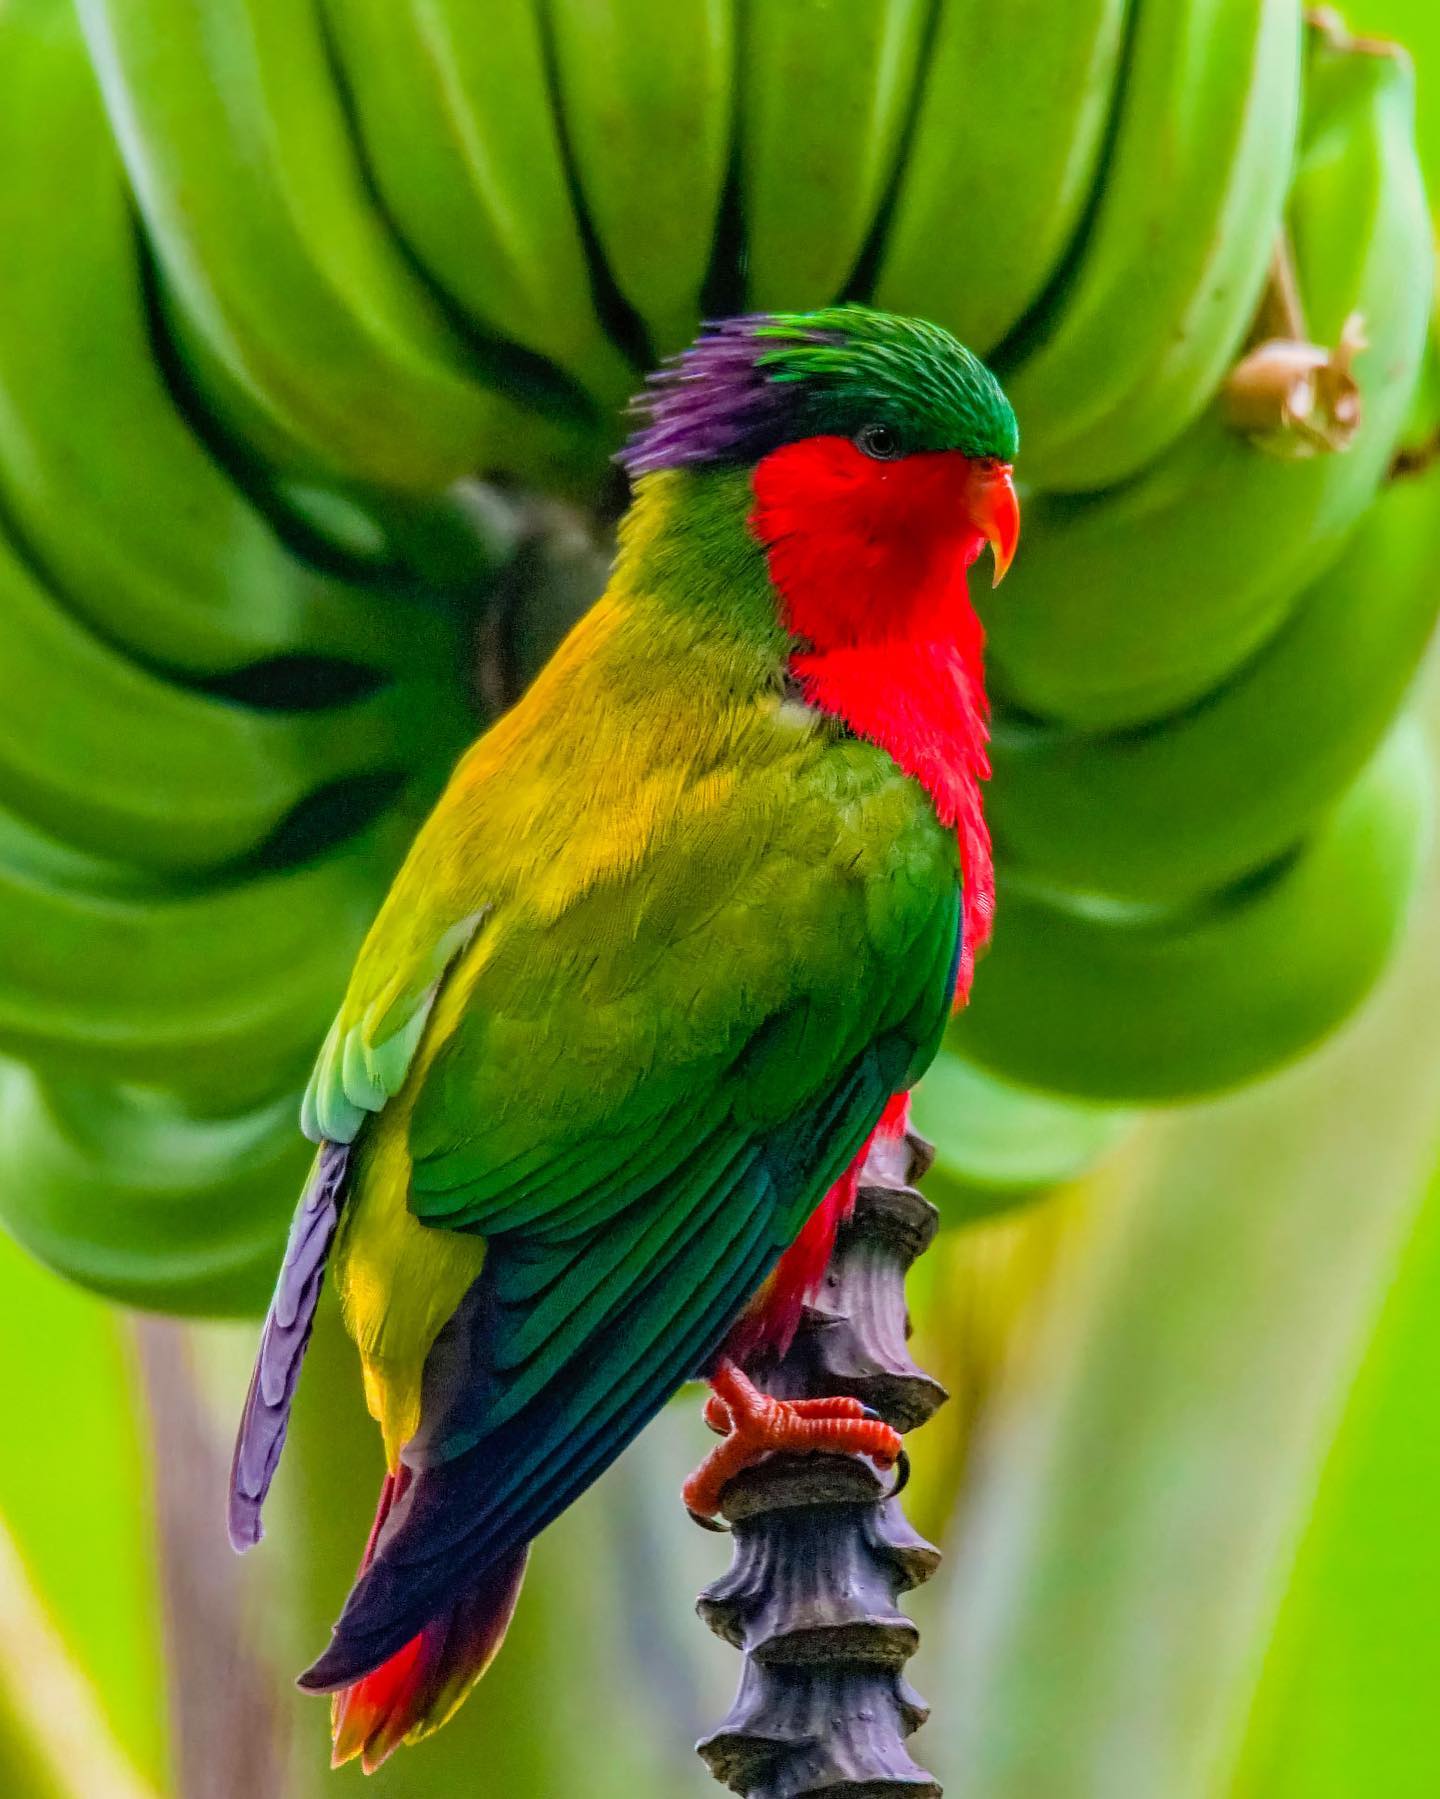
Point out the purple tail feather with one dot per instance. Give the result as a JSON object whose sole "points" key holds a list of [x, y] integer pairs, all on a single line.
{"points": [[282, 1343]]}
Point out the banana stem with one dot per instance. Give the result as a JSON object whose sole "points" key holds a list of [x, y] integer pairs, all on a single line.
{"points": [[1282, 310], [821, 1548], [558, 566]]}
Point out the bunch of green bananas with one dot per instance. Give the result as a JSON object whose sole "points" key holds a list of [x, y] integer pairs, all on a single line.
{"points": [[1209, 850], [273, 279], [212, 748]]}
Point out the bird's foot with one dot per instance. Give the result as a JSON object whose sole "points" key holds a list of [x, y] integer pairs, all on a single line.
{"points": [[754, 1425]]}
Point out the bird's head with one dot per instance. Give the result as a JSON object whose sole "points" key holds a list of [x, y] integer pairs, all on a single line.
{"points": [[880, 449]]}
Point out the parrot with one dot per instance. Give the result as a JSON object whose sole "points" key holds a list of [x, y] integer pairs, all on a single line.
{"points": [[686, 925]]}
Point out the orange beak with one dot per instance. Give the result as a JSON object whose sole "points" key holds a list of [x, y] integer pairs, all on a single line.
{"points": [[995, 509]]}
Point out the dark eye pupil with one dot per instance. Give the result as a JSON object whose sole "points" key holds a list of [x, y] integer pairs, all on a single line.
{"points": [[879, 441]]}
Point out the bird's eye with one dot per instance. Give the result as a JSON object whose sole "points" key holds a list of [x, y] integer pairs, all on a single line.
{"points": [[880, 441]]}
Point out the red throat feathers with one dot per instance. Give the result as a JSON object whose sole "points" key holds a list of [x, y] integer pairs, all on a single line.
{"points": [[870, 560]]}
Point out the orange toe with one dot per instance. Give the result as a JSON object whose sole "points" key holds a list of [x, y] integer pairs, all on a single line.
{"points": [[761, 1426]]}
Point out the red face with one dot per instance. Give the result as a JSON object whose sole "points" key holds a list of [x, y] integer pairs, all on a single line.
{"points": [[864, 549]]}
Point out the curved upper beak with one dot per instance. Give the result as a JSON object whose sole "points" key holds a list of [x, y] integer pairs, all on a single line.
{"points": [[995, 509]]}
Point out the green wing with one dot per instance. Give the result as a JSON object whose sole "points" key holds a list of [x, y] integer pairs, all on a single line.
{"points": [[594, 1142], [648, 1093], [734, 974]]}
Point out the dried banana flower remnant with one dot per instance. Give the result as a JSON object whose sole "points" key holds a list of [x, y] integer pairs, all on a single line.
{"points": [[1297, 399]]}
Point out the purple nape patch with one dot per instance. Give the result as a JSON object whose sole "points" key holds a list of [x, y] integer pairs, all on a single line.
{"points": [[710, 403], [283, 1339]]}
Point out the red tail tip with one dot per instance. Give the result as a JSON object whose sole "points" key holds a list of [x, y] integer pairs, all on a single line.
{"points": [[374, 1717], [419, 1687]]}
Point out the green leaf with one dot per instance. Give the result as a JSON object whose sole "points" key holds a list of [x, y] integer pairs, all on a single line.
{"points": [[1346, 1703], [81, 1658]]}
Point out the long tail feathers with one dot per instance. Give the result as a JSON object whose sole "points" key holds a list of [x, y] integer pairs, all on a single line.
{"points": [[283, 1339], [422, 1684]]}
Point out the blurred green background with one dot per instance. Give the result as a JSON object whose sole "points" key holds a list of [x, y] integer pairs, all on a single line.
{"points": [[1187, 1481]]}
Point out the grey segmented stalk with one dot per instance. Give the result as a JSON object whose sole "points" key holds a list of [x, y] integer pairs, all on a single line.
{"points": [[821, 1549]]}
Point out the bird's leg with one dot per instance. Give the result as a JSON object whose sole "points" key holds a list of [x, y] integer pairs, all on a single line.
{"points": [[755, 1425]]}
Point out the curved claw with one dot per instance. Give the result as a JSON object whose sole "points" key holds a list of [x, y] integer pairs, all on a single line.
{"points": [[711, 1524], [902, 1475], [717, 1415]]}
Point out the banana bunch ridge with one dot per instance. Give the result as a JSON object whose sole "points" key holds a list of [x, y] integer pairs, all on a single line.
{"points": [[279, 284]]}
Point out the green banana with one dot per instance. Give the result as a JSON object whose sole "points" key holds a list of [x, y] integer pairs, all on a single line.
{"points": [[1416, 24], [460, 133], [115, 760], [997, 1144], [131, 1195], [219, 992], [811, 196], [1128, 605], [1134, 1004], [1194, 801], [100, 477], [303, 320], [446, 546], [1165, 280], [1007, 147], [646, 96]]}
